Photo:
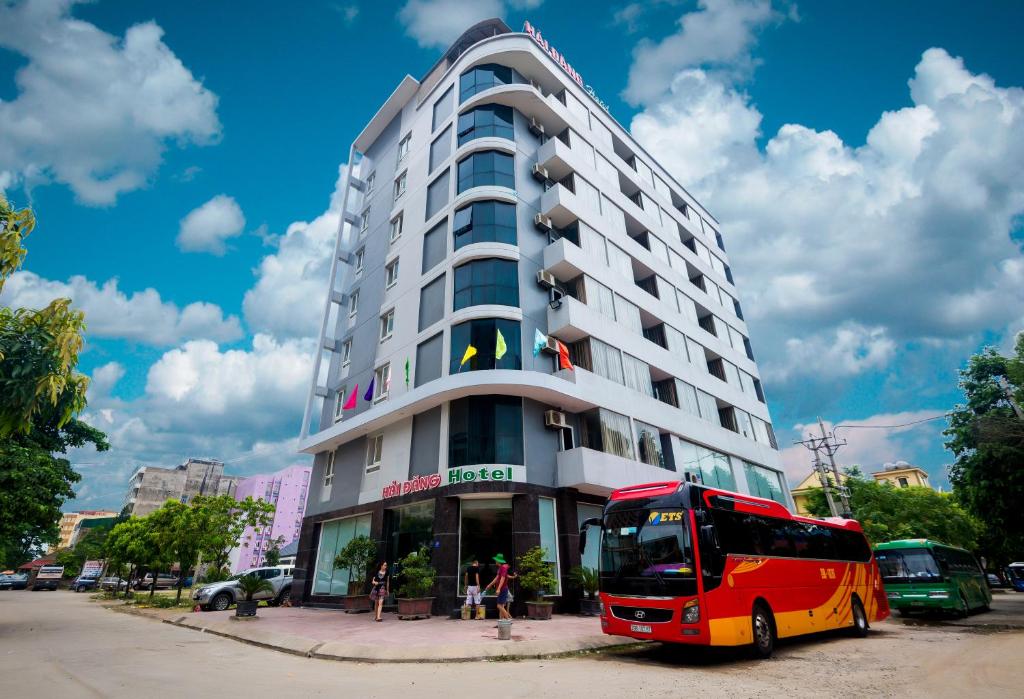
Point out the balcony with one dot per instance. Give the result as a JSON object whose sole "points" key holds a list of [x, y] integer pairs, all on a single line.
{"points": [[598, 473], [556, 157]]}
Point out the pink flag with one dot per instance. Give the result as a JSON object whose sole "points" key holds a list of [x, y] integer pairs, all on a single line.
{"points": [[350, 404]]}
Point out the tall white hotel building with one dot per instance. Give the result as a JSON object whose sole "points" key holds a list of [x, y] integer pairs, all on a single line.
{"points": [[498, 196]]}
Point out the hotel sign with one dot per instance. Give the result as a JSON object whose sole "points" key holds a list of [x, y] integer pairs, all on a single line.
{"points": [[559, 58], [462, 474], [470, 474]]}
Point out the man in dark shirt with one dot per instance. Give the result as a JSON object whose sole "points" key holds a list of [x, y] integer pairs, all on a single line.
{"points": [[471, 580]]}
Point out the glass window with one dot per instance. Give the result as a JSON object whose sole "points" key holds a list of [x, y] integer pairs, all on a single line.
{"points": [[743, 423], [403, 147], [637, 374], [606, 431], [687, 397], [598, 296], [431, 303], [628, 313], [592, 242], [712, 467], [435, 246], [407, 528], [483, 77], [360, 255], [440, 149], [613, 214], [391, 273], [382, 382], [485, 222], [549, 538], [488, 120], [373, 452], [583, 513], [329, 468], [489, 167], [400, 184], [620, 261], [334, 536], [658, 248], [485, 430], [371, 180], [586, 194], [346, 352], [599, 358], [396, 226], [708, 407], [648, 442], [482, 335], [437, 194], [764, 482], [387, 324], [487, 281], [353, 303], [364, 222], [696, 352], [443, 108]]}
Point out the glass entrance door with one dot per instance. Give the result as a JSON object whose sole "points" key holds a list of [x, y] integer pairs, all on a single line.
{"points": [[486, 530], [408, 528]]}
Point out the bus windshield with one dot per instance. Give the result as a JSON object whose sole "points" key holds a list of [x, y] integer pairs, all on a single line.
{"points": [[908, 566], [647, 552]]}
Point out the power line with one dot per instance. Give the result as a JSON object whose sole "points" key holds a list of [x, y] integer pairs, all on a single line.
{"points": [[890, 427]]}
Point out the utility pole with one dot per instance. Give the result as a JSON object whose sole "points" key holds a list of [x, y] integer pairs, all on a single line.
{"points": [[1008, 392], [831, 483]]}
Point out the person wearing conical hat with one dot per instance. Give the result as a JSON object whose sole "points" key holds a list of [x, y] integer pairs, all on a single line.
{"points": [[500, 585]]}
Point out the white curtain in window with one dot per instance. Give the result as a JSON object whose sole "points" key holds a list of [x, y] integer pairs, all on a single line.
{"points": [[686, 306], [676, 343], [607, 361], [601, 134], [593, 243], [696, 350], [582, 147], [662, 188], [628, 313], [606, 170], [648, 442], [687, 398], [718, 265], [616, 437], [599, 297], [658, 248], [732, 374], [677, 262], [708, 407], [743, 423], [637, 374], [702, 252], [620, 261], [747, 383], [760, 430], [587, 195], [616, 219]]}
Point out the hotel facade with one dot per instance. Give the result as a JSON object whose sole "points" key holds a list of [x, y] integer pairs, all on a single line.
{"points": [[525, 312]]}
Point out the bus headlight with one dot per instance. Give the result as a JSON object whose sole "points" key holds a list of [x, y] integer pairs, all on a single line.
{"points": [[691, 612]]}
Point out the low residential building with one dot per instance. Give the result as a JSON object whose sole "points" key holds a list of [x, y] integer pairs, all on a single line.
{"points": [[900, 474], [286, 490], [70, 524], [150, 487]]}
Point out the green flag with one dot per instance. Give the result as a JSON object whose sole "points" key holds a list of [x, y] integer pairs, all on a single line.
{"points": [[407, 372], [499, 346]]}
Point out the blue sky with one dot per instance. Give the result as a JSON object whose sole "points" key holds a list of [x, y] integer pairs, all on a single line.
{"points": [[866, 167]]}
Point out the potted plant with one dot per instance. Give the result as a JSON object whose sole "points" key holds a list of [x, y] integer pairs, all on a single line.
{"points": [[586, 579], [537, 575], [250, 585], [417, 580], [357, 555]]}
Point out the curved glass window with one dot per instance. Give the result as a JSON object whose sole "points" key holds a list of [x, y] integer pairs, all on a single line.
{"points": [[485, 222], [484, 77], [488, 167], [488, 120], [495, 343], [487, 281], [485, 430]]}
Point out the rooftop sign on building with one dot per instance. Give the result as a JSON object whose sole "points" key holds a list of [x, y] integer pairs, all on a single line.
{"points": [[559, 58]]}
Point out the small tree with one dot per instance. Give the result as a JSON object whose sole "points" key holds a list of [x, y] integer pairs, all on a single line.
{"points": [[357, 556], [177, 532], [535, 574], [273, 555], [586, 579], [220, 522], [253, 584], [417, 574]]}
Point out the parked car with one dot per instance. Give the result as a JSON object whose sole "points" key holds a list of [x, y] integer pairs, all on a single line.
{"points": [[993, 581], [48, 578], [15, 581], [113, 583], [84, 583], [164, 581], [221, 595]]}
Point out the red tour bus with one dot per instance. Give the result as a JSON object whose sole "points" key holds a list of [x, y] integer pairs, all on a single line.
{"points": [[686, 563]]}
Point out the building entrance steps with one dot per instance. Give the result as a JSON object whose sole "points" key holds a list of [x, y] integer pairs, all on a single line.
{"points": [[332, 634]]}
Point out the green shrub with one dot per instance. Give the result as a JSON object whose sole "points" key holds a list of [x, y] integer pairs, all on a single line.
{"points": [[585, 579], [416, 574], [357, 556], [535, 574]]}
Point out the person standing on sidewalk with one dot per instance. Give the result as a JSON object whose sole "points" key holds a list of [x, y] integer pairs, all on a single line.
{"points": [[500, 585], [471, 580], [380, 588]]}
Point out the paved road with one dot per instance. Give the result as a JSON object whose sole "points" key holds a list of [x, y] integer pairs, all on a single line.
{"points": [[61, 644]]}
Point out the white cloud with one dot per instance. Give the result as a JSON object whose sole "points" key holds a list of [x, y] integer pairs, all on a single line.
{"points": [[205, 228], [437, 23], [718, 35], [140, 317], [104, 378], [869, 444], [94, 111], [846, 255], [288, 297]]}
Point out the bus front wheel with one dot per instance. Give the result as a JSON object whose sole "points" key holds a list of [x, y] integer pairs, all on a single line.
{"points": [[763, 632], [860, 618]]}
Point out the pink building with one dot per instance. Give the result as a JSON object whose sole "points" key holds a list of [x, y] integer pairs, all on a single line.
{"points": [[287, 490]]}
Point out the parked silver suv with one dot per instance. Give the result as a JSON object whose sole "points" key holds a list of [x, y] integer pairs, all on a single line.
{"points": [[221, 595]]}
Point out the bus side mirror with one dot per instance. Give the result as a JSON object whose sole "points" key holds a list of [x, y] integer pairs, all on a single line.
{"points": [[593, 521], [708, 536]]}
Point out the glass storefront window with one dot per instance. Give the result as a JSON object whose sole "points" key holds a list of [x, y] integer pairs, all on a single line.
{"points": [[487, 168], [485, 430], [712, 467], [484, 77], [489, 120], [487, 281], [482, 334], [408, 528], [485, 222], [334, 536], [549, 538]]}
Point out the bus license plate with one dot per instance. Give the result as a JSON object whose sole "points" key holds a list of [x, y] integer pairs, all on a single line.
{"points": [[640, 628]]}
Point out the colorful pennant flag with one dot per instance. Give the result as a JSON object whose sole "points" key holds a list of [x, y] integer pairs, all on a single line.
{"points": [[499, 346], [470, 353], [539, 341], [563, 356], [368, 396], [350, 404]]}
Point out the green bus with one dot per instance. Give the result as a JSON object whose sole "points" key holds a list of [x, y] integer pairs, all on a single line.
{"points": [[921, 575]]}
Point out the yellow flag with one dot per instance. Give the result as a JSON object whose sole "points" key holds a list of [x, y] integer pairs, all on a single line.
{"points": [[499, 346], [470, 353]]}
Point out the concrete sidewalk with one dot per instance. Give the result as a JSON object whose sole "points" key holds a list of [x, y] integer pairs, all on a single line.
{"points": [[334, 635]]}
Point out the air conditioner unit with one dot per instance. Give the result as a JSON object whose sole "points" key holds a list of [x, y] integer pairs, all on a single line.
{"points": [[542, 222], [551, 346], [546, 279], [536, 128], [539, 173], [555, 419]]}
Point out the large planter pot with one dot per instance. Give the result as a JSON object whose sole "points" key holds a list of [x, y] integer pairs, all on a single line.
{"points": [[243, 608], [539, 611], [590, 607], [415, 608], [354, 604]]}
